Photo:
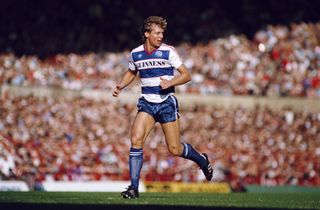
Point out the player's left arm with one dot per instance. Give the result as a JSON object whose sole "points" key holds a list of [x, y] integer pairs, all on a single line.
{"points": [[182, 78]]}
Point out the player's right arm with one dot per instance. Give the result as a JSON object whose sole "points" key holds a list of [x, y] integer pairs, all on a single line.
{"points": [[127, 78]]}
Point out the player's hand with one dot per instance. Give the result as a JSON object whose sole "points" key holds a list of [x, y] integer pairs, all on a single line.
{"points": [[116, 91], [164, 83]]}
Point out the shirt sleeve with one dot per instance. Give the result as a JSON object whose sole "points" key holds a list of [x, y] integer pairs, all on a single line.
{"points": [[132, 65], [174, 58]]}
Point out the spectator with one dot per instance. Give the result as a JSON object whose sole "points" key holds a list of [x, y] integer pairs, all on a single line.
{"points": [[259, 146], [279, 61]]}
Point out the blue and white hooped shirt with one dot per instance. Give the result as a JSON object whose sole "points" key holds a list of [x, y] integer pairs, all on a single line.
{"points": [[152, 66]]}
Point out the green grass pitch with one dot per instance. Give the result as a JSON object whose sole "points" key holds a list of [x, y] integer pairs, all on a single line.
{"points": [[241, 200]]}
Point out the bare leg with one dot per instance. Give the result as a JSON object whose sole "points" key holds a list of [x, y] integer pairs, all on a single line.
{"points": [[141, 128], [172, 134], [171, 131]]}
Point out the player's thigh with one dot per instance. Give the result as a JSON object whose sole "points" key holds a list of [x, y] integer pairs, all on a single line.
{"points": [[142, 126], [171, 131]]}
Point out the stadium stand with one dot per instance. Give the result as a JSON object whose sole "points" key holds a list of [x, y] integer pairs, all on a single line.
{"points": [[279, 61], [81, 139]]}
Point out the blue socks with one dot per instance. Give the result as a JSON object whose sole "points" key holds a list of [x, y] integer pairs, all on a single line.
{"points": [[192, 154], [135, 165], [136, 161]]}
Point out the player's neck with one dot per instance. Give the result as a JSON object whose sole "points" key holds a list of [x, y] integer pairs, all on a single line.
{"points": [[149, 48]]}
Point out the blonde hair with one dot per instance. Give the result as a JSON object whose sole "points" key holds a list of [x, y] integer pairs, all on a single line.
{"points": [[147, 23]]}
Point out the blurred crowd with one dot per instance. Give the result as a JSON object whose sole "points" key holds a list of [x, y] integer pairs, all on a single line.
{"points": [[43, 139], [279, 61]]}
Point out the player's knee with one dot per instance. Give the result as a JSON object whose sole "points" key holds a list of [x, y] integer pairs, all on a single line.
{"points": [[174, 150], [136, 141]]}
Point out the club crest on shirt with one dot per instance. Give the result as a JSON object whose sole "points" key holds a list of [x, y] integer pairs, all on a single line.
{"points": [[158, 54]]}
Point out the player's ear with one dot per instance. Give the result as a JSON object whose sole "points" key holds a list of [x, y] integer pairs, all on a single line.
{"points": [[146, 34]]}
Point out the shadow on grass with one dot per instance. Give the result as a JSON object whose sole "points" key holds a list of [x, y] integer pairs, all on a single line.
{"points": [[28, 206]]}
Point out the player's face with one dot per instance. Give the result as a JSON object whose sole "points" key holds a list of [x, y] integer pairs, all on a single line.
{"points": [[155, 36]]}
